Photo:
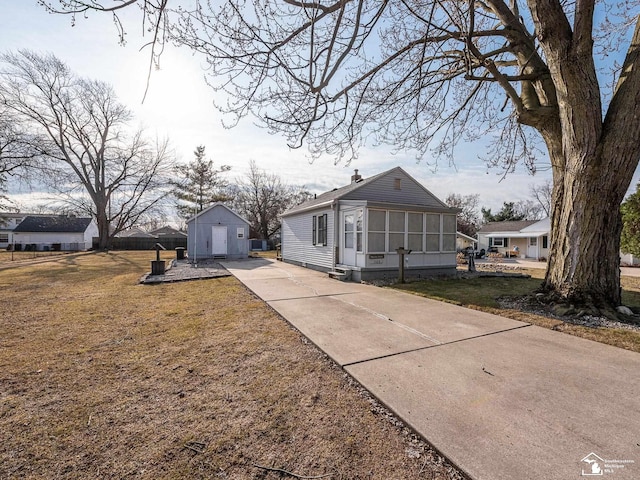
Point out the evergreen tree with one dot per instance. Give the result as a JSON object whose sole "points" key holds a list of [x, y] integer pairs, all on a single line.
{"points": [[630, 237], [508, 212], [199, 185]]}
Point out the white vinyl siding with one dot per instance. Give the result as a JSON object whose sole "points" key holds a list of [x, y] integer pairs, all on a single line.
{"points": [[297, 239], [384, 189]]}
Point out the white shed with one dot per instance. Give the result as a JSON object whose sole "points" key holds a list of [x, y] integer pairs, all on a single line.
{"points": [[217, 232]]}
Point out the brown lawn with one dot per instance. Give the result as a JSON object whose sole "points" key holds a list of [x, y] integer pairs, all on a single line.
{"points": [[101, 377]]}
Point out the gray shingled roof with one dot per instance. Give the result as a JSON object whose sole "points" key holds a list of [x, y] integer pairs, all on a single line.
{"points": [[334, 194], [53, 223], [168, 232], [511, 226]]}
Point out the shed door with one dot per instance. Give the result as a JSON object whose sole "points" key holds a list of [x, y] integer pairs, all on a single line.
{"points": [[219, 240]]}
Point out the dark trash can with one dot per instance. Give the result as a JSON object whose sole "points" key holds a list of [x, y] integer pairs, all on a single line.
{"points": [[158, 267], [180, 253]]}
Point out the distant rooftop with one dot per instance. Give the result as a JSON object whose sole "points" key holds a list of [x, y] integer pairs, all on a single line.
{"points": [[510, 226], [53, 223]]}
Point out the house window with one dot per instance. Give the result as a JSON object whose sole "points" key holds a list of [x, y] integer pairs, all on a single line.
{"points": [[376, 231], [545, 241], [4, 238], [498, 242], [433, 232], [396, 230], [415, 223], [397, 184], [240, 232], [359, 223], [319, 230], [449, 233]]}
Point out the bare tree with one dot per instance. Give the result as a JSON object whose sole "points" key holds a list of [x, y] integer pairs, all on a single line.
{"points": [[261, 197], [427, 75], [89, 158], [542, 193], [529, 209], [18, 151], [469, 217]]}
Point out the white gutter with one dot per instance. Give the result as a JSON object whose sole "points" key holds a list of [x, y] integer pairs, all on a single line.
{"points": [[336, 231]]}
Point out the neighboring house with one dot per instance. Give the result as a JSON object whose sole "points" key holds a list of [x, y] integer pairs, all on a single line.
{"points": [[54, 232], [9, 221], [357, 228], [530, 238], [217, 231], [168, 232], [465, 241], [629, 259], [134, 232]]}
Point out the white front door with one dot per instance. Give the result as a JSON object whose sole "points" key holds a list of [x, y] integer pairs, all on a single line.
{"points": [[348, 239], [532, 249], [219, 240]]}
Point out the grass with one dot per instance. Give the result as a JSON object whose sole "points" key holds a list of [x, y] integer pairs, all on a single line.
{"points": [[481, 293], [101, 377], [9, 257]]}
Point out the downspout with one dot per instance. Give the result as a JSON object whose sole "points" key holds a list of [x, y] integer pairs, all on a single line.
{"points": [[336, 232]]}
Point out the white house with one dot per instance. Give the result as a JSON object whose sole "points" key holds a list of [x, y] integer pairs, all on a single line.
{"points": [[358, 227], [525, 239], [9, 221], [217, 231], [464, 241], [54, 232]]}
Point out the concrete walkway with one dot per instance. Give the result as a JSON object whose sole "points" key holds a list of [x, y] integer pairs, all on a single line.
{"points": [[501, 399]]}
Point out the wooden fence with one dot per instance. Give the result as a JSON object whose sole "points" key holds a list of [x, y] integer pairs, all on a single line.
{"points": [[143, 243]]}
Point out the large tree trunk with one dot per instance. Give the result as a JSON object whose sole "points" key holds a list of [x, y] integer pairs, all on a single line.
{"points": [[593, 158], [584, 263], [104, 237]]}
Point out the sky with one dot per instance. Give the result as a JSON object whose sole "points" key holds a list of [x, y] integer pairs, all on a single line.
{"points": [[179, 105]]}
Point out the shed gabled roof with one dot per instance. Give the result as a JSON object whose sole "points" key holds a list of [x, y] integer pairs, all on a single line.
{"points": [[53, 223], [218, 204], [348, 191]]}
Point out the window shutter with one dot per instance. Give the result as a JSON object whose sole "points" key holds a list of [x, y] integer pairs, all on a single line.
{"points": [[324, 231], [313, 234]]}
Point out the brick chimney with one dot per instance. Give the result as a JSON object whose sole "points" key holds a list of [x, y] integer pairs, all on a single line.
{"points": [[355, 177]]}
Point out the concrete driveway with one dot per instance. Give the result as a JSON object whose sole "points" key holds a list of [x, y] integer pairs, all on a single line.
{"points": [[500, 398]]}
